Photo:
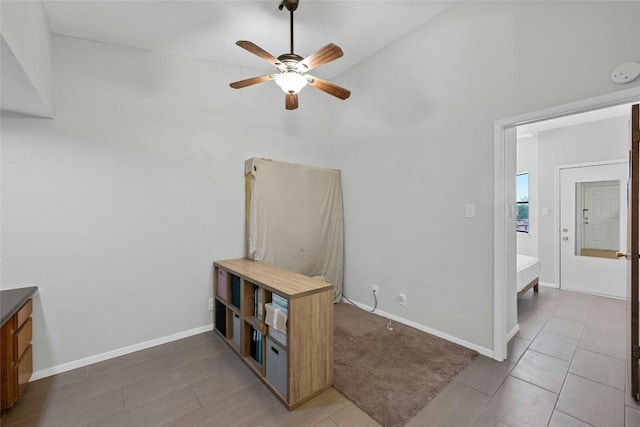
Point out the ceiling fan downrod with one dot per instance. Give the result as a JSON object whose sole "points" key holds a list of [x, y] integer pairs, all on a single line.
{"points": [[291, 6], [291, 32]]}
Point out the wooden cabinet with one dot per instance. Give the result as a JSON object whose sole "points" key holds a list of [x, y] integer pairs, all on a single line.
{"points": [[295, 370], [17, 357]]}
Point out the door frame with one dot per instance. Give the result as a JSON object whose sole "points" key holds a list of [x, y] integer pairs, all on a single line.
{"points": [[558, 197], [504, 168], [632, 245]]}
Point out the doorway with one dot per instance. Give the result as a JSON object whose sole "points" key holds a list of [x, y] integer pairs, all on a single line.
{"points": [[504, 202], [577, 216]]}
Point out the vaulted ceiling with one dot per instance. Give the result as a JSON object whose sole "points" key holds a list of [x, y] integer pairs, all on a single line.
{"points": [[209, 29]]}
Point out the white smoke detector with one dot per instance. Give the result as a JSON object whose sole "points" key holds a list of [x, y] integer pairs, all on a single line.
{"points": [[626, 73]]}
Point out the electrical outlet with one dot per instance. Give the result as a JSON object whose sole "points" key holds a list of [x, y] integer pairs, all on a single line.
{"points": [[402, 299], [210, 304], [376, 290]]}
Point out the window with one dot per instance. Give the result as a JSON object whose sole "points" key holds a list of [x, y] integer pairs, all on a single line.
{"points": [[522, 202]]}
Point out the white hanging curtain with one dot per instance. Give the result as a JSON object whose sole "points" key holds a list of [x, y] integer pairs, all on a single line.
{"points": [[295, 219]]}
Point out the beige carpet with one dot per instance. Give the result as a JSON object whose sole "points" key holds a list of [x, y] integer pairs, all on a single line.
{"points": [[391, 375]]}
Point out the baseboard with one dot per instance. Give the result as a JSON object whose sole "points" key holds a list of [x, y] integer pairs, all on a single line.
{"points": [[513, 332], [43, 373], [482, 350], [579, 291], [549, 285]]}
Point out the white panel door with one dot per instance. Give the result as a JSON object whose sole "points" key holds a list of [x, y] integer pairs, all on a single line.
{"points": [[602, 276], [601, 215]]}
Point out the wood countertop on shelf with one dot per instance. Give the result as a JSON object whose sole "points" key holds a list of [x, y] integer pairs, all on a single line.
{"points": [[276, 279]]}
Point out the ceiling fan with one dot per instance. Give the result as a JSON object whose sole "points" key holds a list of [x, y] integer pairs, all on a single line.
{"points": [[292, 69]]}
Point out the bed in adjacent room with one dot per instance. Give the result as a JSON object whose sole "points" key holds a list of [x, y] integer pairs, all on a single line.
{"points": [[528, 272]]}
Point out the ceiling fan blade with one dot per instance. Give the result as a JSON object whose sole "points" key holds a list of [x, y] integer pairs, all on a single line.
{"points": [[326, 54], [291, 101], [252, 81], [330, 88], [257, 50]]}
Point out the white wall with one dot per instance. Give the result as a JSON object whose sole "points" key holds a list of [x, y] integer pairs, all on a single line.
{"points": [[28, 87], [528, 162], [117, 208], [590, 142], [417, 145]]}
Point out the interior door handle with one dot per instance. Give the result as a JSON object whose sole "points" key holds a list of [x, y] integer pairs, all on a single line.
{"points": [[623, 255], [565, 238]]}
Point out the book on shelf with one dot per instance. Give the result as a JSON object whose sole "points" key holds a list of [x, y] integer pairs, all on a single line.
{"points": [[257, 302], [255, 347], [279, 301], [252, 344], [256, 291]]}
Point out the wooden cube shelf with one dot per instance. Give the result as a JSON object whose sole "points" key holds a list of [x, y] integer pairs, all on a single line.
{"points": [[294, 371]]}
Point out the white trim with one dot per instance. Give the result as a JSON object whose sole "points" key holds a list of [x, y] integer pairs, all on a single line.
{"points": [[579, 291], [588, 164], [43, 373], [500, 256], [626, 96], [500, 213], [549, 285], [557, 169], [482, 350], [513, 332]]}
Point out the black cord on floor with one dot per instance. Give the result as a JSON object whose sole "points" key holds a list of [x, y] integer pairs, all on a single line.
{"points": [[374, 307], [355, 305]]}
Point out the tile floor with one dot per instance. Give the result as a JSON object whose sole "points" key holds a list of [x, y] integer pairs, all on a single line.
{"points": [[566, 367], [197, 381]]}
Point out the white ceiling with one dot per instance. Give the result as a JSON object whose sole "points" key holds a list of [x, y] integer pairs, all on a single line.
{"points": [[209, 29]]}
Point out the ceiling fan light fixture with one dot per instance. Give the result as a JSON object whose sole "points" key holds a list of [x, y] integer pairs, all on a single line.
{"points": [[291, 81], [292, 68]]}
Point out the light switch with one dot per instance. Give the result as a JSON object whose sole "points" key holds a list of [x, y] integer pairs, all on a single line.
{"points": [[470, 210], [545, 211]]}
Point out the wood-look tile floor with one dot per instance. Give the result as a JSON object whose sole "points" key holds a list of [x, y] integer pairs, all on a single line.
{"points": [[566, 367], [196, 381]]}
